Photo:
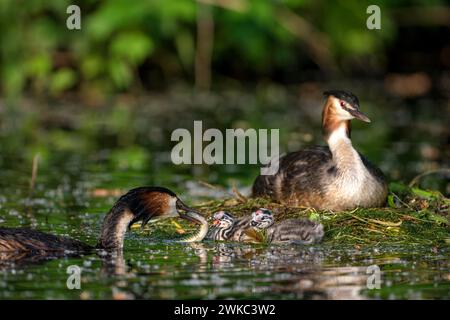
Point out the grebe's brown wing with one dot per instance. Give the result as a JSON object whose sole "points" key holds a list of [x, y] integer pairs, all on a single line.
{"points": [[23, 239], [297, 171]]}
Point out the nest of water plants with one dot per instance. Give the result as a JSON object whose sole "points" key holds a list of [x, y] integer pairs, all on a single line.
{"points": [[411, 216]]}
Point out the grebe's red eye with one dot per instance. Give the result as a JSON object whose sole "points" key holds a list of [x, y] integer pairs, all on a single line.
{"points": [[342, 103]]}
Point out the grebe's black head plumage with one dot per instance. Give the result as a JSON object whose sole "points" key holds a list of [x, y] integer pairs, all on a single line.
{"points": [[346, 102], [146, 203], [347, 96]]}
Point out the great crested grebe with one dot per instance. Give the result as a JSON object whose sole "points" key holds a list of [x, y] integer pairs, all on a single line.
{"points": [[228, 228], [298, 231], [336, 177], [140, 204]]}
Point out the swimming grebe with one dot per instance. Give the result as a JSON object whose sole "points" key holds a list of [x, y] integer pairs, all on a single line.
{"points": [[298, 231], [140, 204], [228, 228], [336, 177]]}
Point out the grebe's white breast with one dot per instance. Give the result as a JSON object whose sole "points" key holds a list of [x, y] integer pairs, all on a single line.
{"points": [[353, 183]]}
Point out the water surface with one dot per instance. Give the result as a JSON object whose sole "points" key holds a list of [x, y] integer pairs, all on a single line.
{"points": [[154, 268], [87, 161]]}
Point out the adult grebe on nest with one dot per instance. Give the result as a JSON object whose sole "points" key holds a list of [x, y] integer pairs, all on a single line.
{"points": [[336, 177]]}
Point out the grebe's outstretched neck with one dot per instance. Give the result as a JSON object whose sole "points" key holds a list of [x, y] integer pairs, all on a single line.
{"points": [[336, 177], [140, 204]]}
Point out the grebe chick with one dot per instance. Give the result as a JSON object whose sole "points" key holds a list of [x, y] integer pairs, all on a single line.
{"points": [[140, 204], [336, 177], [298, 231], [228, 228]]}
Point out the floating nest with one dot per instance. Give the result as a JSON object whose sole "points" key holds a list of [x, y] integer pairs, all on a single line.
{"points": [[411, 216]]}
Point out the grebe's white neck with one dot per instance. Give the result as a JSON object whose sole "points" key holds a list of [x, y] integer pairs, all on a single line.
{"points": [[345, 157], [352, 174], [339, 138]]}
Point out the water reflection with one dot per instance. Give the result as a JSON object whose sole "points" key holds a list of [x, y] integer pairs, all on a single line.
{"points": [[113, 263], [209, 270], [299, 269], [14, 259]]}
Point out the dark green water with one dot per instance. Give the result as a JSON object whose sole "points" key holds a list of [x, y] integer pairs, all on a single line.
{"points": [[160, 269]]}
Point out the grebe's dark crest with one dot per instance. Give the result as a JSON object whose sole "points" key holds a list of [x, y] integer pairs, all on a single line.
{"points": [[140, 204], [336, 177]]}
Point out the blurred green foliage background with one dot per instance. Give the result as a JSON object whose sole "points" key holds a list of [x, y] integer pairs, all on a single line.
{"points": [[123, 44], [111, 92]]}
